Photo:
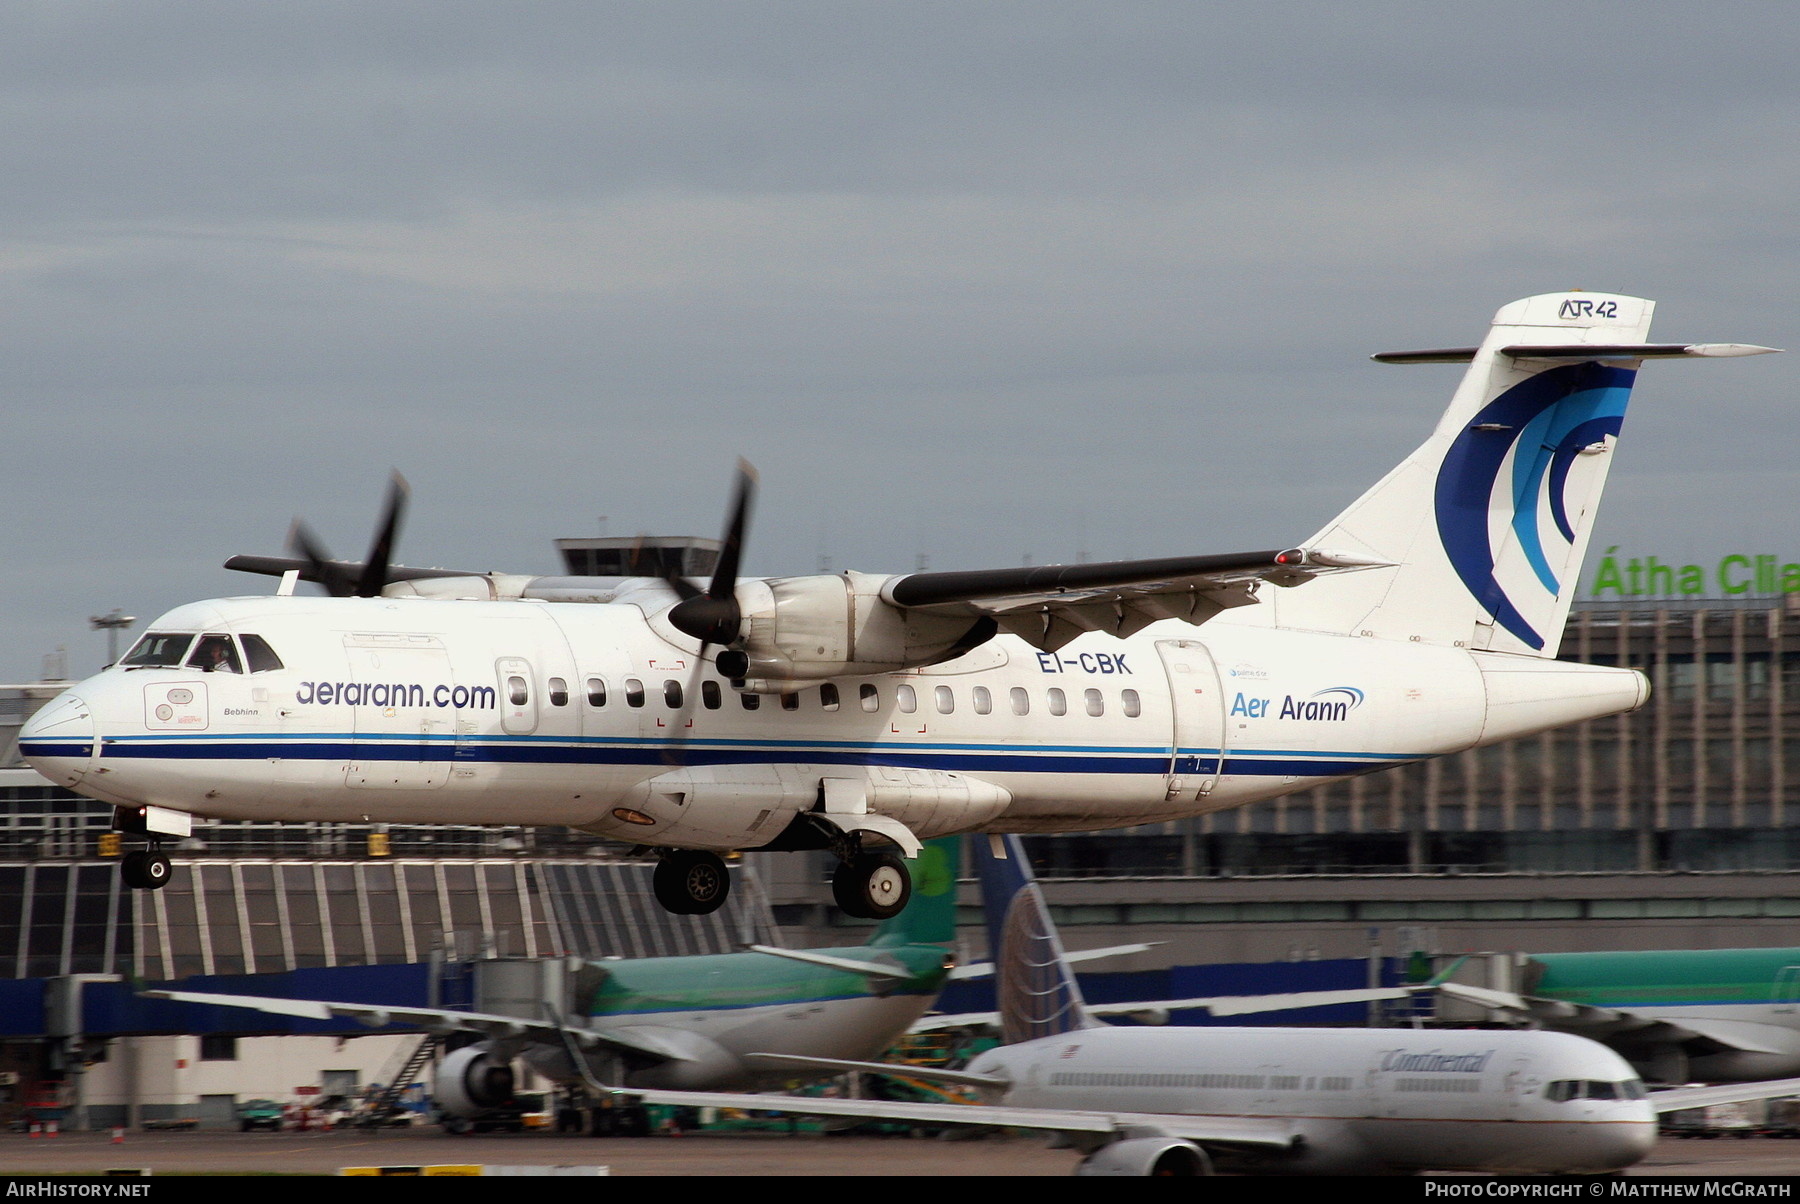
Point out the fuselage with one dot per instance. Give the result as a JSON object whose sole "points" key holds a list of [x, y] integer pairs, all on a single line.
{"points": [[1357, 1101], [715, 1011], [521, 712], [1744, 1003]]}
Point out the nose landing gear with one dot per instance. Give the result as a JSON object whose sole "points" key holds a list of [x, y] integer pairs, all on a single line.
{"points": [[146, 870]]}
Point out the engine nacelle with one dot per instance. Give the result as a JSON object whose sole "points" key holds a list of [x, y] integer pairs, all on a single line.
{"points": [[814, 628], [470, 1081], [1147, 1156]]}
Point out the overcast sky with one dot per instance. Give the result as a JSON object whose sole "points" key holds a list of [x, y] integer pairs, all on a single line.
{"points": [[974, 282]]}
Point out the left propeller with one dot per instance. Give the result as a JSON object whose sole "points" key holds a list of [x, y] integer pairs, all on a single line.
{"points": [[347, 578], [344, 579], [713, 616]]}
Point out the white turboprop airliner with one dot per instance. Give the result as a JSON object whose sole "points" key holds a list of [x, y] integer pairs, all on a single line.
{"points": [[1291, 1101], [863, 713]]}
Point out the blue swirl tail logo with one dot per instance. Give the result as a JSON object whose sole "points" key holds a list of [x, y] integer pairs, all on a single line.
{"points": [[1543, 424]]}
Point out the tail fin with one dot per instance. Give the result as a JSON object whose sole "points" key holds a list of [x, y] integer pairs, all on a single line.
{"points": [[1488, 521], [1036, 989], [929, 917]]}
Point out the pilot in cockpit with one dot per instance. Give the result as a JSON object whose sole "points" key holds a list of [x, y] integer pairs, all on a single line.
{"points": [[215, 655]]}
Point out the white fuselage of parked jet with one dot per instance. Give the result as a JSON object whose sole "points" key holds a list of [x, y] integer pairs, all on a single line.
{"points": [[523, 712], [1357, 1101], [1298, 1101]]}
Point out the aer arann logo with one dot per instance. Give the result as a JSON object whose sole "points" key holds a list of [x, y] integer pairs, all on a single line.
{"points": [[1332, 705]]}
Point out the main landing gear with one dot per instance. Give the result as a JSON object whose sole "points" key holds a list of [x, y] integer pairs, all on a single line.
{"points": [[871, 886], [691, 882], [146, 870]]}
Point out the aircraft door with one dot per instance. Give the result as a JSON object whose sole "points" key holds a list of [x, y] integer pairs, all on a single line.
{"points": [[403, 734], [1523, 1085], [1197, 750]]}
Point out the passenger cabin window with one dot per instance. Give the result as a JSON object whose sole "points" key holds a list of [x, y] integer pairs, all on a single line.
{"points": [[983, 700], [790, 702], [158, 650], [750, 701], [1058, 704], [710, 696], [596, 692], [1095, 704], [634, 692], [945, 698], [828, 696], [559, 692], [672, 694], [215, 654], [257, 653], [870, 696], [1021, 700], [1133, 705], [907, 700], [516, 692]]}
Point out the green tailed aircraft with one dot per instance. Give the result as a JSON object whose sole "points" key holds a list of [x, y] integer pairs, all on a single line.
{"points": [[729, 1021], [1678, 1015]]}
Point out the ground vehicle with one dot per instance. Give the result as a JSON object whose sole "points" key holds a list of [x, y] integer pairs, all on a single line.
{"points": [[260, 1114]]}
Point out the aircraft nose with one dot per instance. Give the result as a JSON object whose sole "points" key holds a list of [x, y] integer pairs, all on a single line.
{"points": [[58, 741], [1630, 1143]]}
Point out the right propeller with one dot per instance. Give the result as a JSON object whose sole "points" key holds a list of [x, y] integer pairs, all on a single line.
{"points": [[713, 616]]}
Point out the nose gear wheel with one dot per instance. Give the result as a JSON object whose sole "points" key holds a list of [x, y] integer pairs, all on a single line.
{"points": [[145, 870]]}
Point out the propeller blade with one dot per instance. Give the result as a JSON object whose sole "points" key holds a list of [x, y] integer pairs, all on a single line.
{"points": [[381, 551], [714, 617], [724, 580], [320, 567]]}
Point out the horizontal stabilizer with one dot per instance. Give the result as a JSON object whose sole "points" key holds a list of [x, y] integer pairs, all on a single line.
{"points": [[984, 968], [868, 969], [1578, 351]]}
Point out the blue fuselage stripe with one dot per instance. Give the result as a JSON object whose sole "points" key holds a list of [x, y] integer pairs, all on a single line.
{"points": [[551, 751]]}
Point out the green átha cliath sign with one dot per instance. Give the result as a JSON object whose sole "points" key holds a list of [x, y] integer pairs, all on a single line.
{"points": [[1737, 575]]}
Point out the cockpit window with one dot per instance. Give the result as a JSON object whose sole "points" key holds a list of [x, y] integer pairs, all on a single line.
{"points": [[215, 654], [158, 650], [1564, 1090], [261, 657]]}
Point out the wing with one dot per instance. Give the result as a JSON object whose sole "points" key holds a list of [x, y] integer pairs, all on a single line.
{"points": [[1677, 1098], [1051, 605], [1153, 1011], [515, 1029], [1222, 1132], [1604, 1024]]}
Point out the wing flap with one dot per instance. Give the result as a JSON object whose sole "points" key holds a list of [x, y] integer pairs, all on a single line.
{"points": [[1053, 604]]}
